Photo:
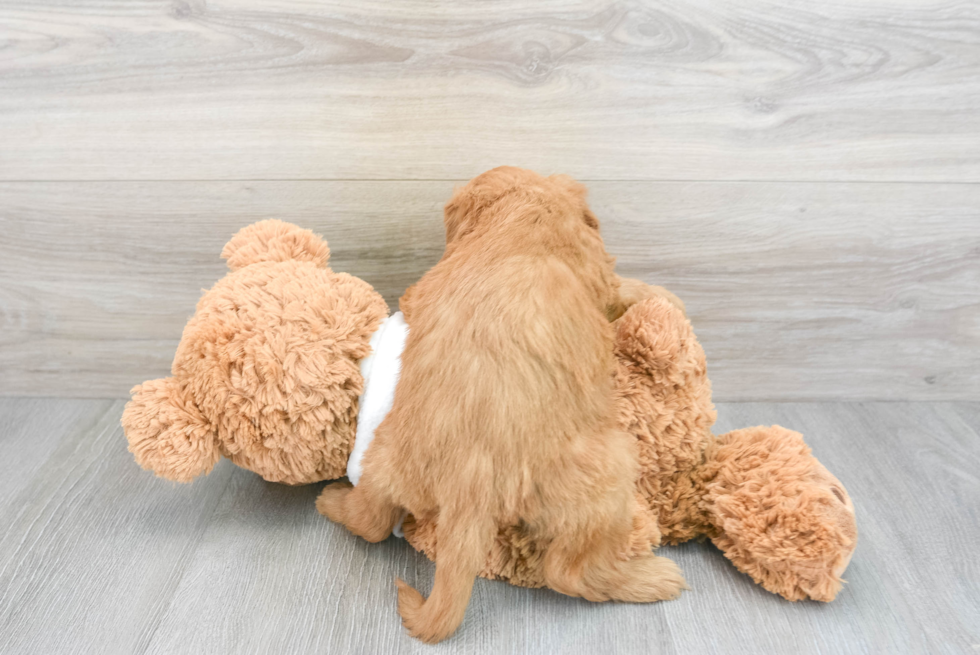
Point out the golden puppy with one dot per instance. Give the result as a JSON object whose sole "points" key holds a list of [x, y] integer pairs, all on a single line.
{"points": [[504, 410]]}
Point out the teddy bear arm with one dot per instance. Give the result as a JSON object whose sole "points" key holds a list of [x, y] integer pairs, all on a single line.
{"points": [[167, 433]]}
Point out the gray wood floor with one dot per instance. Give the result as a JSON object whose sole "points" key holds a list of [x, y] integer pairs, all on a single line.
{"points": [[98, 556]]}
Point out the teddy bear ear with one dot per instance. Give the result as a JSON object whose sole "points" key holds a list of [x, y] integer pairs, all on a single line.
{"points": [[167, 433], [274, 241], [654, 334]]}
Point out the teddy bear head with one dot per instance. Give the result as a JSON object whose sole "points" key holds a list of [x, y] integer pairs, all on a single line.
{"points": [[267, 370]]}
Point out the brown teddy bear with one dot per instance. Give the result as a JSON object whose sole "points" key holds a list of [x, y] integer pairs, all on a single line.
{"points": [[267, 371], [271, 370]]}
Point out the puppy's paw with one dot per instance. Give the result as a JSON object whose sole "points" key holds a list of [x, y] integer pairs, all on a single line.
{"points": [[652, 578], [332, 502]]}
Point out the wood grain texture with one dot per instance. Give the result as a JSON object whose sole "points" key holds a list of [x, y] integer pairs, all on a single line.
{"points": [[99, 556], [303, 89], [806, 291], [92, 546], [30, 431], [796, 290], [969, 412]]}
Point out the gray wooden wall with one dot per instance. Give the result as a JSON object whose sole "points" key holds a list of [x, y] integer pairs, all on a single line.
{"points": [[805, 175]]}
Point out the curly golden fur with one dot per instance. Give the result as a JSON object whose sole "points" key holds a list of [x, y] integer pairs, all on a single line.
{"points": [[267, 374], [757, 493], [504, 413]]}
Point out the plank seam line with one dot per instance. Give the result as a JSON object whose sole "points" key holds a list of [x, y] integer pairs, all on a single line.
{"points": [[461, 180]]}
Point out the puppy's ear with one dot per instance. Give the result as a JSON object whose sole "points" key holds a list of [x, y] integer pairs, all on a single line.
{"points": [[462, 212], [459, 210], [590, 219], [578, 191]]}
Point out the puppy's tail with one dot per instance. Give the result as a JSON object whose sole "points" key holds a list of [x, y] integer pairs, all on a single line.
{"points": [[463, 541]]}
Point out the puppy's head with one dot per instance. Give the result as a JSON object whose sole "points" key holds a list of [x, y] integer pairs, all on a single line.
{"points": [[549, 210], [509, 194]]}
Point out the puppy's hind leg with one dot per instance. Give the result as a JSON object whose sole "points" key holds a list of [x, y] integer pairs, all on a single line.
{"points": [[644, 578], [367, 510], [591, 562], [464, 538]]}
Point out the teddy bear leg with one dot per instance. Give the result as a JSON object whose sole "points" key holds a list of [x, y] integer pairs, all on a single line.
{"points": [[778, 514], [364, 510]]}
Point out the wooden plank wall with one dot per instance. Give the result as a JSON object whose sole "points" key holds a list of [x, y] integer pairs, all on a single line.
{"points": [[806, 176]]}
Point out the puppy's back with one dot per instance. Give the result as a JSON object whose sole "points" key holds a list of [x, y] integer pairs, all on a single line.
{"points": [[504, 409], [506, 357]]}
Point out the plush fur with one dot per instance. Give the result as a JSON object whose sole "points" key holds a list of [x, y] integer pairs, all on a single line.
{"points": [[504, 413], [267, 372], [757, 493]]}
